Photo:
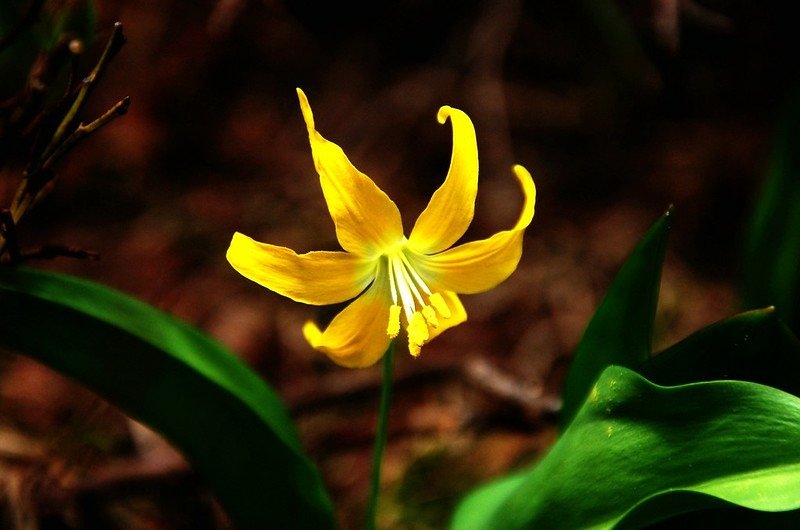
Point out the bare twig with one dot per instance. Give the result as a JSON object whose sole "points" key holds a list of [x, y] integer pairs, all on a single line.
{"points": [[36, 187], [489, 378], [39, 175], [115, 43], [13, 254], [85, 130], [57, 251]]}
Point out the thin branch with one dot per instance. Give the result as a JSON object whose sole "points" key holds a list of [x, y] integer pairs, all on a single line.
{"points": [[115, 43], [83, 131], [40, 173], [57, 251], [37, 183], [489, 378]]}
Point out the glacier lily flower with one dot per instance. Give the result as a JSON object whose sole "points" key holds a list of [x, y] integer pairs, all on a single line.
{"points": [[396, 281]]}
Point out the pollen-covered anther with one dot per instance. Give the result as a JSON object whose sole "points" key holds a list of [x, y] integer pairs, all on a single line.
{"points": [[417, 333], [438, 303], [430, 316], [393, 327]]}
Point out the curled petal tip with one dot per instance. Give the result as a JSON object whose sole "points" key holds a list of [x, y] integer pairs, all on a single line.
{"points": [[529, 192], [444, 113], [520, 171], [312, 333]]}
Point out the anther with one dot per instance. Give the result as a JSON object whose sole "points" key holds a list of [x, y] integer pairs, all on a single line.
{"points": [[438, 303], [430, 315], [417, 333], [393, 327]]}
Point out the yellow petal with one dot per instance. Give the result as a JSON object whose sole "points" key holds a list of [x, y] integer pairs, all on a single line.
{"points": [[452, 206], [357, 336], [366, 219], [318, 278], [480, 265]]}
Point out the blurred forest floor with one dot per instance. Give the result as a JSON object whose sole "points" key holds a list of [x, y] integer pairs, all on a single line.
{"points": [[674, 102]]}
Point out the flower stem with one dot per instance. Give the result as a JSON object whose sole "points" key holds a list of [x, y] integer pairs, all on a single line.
{"points": [[380, 436]]}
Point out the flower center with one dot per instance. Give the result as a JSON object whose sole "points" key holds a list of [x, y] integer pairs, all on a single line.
{"points": [[421, 306]]}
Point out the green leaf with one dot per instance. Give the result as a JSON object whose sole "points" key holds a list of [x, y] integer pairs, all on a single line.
{"points": [[755, 346], [772, 251], [638, 453], [621, 330], [227, 422], [477, 510]]}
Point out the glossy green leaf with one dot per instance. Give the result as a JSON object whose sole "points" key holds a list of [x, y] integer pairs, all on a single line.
{"points": [[772, 253], [477, 510], [638, 453], [227, 422], [621, 330], [754, 346]]}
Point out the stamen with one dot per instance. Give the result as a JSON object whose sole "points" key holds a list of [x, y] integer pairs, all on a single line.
{"points": [[417, 333], [392, 286], [430, 316], [437, 301], [393, 327], [410, 292], [415, 274], [411, 285], [402, 286]]}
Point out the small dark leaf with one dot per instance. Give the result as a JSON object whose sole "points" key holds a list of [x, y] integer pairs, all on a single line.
{"points": [[621, 330], [772, 253], [754, 346]]}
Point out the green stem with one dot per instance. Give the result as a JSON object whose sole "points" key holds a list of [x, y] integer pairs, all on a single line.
{"points": [[380, 435]]}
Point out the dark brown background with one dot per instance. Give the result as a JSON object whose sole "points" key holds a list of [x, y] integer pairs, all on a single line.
{"points": [[614, 128]]}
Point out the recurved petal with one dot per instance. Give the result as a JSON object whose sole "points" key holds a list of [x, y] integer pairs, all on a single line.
{"points": [[477, 266], [318, 278], [357, 336], [366, 219], [452, 206]]}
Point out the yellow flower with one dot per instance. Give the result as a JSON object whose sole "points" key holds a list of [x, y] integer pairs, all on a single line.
{"points": [[393, 278]]}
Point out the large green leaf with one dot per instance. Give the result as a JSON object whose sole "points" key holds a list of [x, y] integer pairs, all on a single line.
{"points": [[621, 330], [638, 453], [228, 423], [772, 253], [754, 346]]}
